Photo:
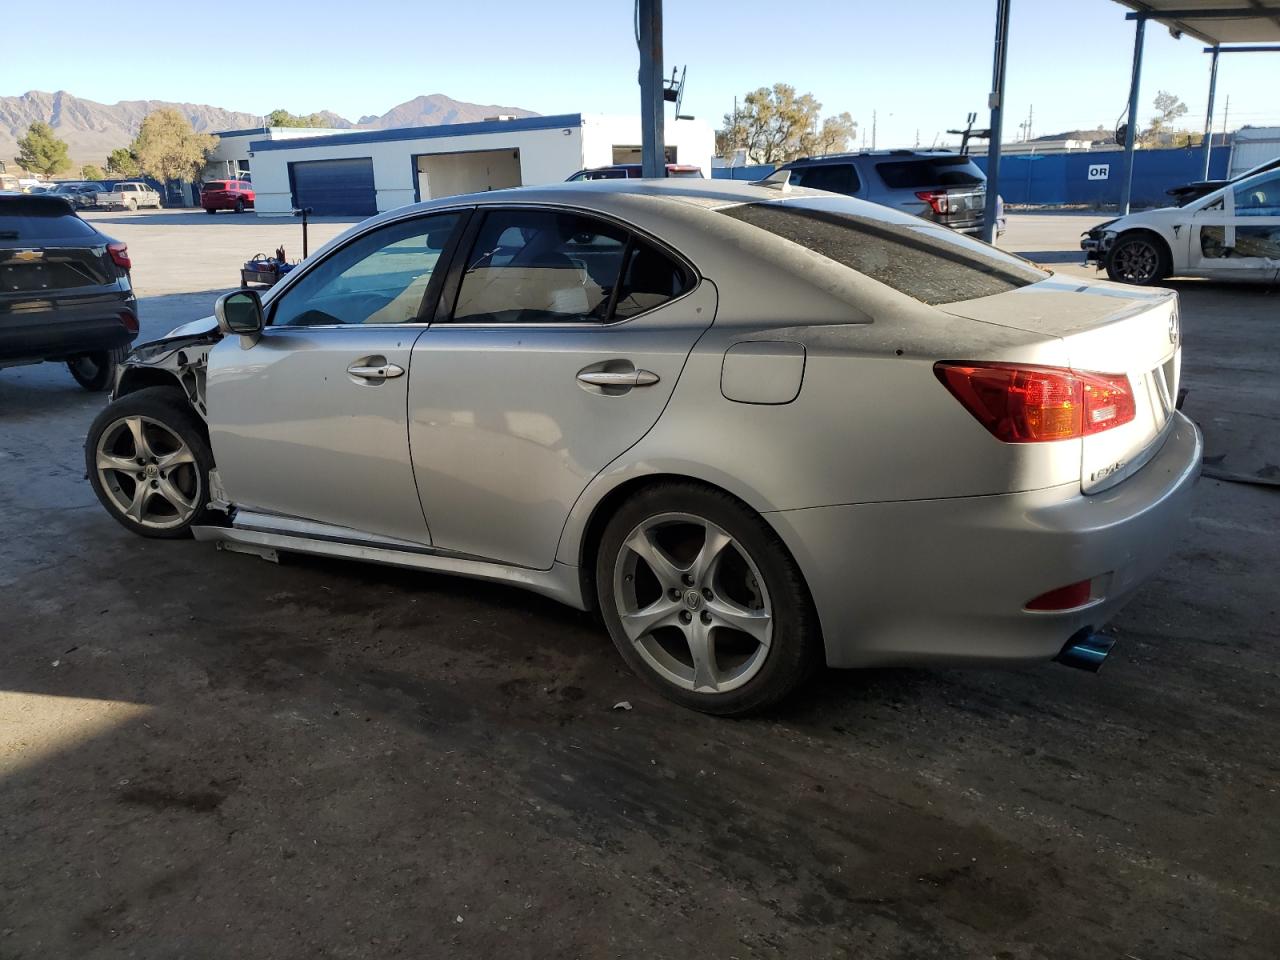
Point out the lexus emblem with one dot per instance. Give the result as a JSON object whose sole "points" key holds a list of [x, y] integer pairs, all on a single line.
{"points": [[1173, 328]]}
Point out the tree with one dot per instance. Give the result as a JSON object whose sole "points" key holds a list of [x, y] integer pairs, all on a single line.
{"points": [[123, 163], [91, 171], [168, 149], [1168, 109], [834, 135], [283, 118], [42, 152], [775, 125]]}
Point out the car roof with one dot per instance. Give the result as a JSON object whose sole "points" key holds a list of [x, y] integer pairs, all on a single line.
{"points": [[877, 154], [38, 203]]}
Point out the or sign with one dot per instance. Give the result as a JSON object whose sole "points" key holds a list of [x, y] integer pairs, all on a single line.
{"points": [[1099, 171]]}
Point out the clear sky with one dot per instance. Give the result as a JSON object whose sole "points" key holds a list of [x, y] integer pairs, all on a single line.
{"points": [[920, 65]]}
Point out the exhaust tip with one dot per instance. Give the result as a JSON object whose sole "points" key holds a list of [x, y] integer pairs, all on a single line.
{"points": [[1086, 650]]}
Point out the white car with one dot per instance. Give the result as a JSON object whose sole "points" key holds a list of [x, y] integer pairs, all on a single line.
{"points": [[130, 196], [1230, 234]]}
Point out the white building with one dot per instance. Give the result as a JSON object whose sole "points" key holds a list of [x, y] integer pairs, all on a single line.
{"points": [[1252, 146], [347, 173], [230, 158]]}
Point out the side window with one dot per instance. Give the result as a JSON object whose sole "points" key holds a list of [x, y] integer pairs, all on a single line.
{"points": [[540, 266], [650, 279], [380, 278], [1261, 198], [836, 177]]}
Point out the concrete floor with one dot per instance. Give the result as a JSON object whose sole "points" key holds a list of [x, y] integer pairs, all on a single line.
{"points": [[206, 755]]}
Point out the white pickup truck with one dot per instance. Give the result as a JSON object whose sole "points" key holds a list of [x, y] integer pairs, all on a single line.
{"points": [[130, 196]]}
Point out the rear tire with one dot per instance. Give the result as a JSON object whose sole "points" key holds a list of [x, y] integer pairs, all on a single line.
{"points": [[168, 491], [131, 205], [96, 371], [704, 601], [210, 211], [1138, 258]]}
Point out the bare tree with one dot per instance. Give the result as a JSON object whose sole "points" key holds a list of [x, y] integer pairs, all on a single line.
{"points": [[774, 125]]}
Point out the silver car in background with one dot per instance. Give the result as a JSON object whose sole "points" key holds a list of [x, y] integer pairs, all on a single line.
{"points": [[758, 428]]}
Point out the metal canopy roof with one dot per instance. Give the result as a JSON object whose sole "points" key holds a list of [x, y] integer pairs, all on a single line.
{"points": [[1214, 21]]}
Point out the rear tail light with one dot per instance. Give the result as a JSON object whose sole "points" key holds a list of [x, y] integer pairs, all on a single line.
{"points": [[939, 200], [1029, 404], [129, 320], [120, 255]]}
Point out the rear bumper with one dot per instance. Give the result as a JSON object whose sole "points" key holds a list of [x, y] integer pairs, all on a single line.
{"points": [[941, 581], [55, 330]]}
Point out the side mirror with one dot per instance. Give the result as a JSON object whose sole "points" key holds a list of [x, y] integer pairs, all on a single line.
{"points": [[240, 312]]}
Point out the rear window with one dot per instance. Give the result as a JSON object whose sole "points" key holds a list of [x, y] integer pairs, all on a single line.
{"points": [[216, 185], [930, 172], [23, 220], [930, 264]]}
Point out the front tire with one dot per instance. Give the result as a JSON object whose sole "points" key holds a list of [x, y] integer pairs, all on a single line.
{"points": [[95, 371], [704, 602], [1138, 258], [239, 206], [148, 463]]}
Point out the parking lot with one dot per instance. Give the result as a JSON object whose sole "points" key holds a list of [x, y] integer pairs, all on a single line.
{"points": [[202, 753]]}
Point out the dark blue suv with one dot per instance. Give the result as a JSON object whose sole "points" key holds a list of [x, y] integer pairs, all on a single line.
{"points": [[948, 188]]}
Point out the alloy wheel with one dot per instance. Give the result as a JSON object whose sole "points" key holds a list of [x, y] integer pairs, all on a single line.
{"points": [[149, 474], [693, 603], [1137, 261]]}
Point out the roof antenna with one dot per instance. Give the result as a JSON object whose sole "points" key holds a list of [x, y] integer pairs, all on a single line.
{"points": [[779, 180]]}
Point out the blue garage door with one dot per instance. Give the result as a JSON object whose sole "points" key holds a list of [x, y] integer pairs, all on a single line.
{"points": [[334, 187]]}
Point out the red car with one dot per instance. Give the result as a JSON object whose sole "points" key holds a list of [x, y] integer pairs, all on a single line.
{"points": [[234, 195]]}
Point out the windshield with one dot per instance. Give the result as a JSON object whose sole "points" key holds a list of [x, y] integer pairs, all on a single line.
{"points": [[931, 264]]}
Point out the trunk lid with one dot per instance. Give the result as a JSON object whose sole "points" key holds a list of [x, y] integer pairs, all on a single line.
{"points": [[1103, 328]]}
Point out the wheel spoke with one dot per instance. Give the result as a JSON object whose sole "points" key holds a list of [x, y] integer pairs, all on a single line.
{"points": [[138, 505], [109, 461], [661, 613], [704, 565], [754, 623], [141, 448], [176, 459], [169, 490], [702, 647], [663, 566]]}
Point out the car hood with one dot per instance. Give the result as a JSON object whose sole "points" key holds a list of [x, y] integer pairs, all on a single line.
{"points": [[194, 328]]}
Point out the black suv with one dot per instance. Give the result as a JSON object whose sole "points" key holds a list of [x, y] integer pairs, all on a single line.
{"points": [[65, 293], [948, 188]]}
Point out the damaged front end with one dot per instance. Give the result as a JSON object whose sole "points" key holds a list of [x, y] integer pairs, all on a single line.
{"points": [[1096, 243], [180, 359]]}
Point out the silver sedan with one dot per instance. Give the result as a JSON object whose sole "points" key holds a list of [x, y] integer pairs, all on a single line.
{"points": [[758, 428]]}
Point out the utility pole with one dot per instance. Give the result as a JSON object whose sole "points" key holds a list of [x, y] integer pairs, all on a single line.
{"points": [[873, 129], [995, 102], [1225, 112], [652, 103]]}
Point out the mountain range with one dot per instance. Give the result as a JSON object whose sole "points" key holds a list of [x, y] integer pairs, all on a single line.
{"points": [[92, 130]]}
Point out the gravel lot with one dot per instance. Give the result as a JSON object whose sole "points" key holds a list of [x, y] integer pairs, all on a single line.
{"points": [[206, 755]]}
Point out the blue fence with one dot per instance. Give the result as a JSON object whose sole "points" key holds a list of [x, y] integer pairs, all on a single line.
{"points": [[1095, 177], [1092, 177], [756, 172]]}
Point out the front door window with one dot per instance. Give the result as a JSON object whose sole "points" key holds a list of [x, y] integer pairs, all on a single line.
{"points": [[381, 278]]}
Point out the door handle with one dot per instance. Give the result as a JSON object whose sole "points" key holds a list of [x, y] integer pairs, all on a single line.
{"points": [[619, 378], [366, 369]]}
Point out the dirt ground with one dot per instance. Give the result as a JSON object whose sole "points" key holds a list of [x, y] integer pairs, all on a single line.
{"points": [[206, 755]]}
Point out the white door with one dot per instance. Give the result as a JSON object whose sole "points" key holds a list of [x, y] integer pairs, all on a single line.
{"points": [[1237, 236]]}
